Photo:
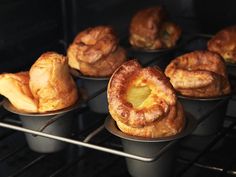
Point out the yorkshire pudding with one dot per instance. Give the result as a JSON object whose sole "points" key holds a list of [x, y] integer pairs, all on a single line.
{"points": [[143, 102], [224, 43], [95, 52], [150, 29], [199, 74], [48, 86], [51, 83], [15, 87]]}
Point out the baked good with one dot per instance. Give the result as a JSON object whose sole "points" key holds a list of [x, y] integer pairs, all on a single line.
{"points": [[95, 52], [51, 83], [15, 87], [143, 102], [150, 29], [48, 86], [199, 74], [224, 43]]}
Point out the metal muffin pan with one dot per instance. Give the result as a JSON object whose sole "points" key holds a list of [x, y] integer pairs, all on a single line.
{"points": [[56, 123], [146, 50], [125, 42], [148, 57], [149, 147], [92, 85], [200, 106], [151, 59], [231, 68]]}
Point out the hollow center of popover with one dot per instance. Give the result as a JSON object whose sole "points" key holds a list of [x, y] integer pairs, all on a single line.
{"points": [[136, 95]]}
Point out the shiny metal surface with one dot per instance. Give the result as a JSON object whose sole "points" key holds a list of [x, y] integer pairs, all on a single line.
{"points": [[137, 49], [8, 106], [77, 74], [205, 99], [190, 125], [79, 143]]}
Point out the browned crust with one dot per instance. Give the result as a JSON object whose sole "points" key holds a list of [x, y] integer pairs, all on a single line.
{"points": [[95, 43], [224, 43], [149, 29], [95, 52], [48, 86], [172, 124], [105, 66], [51, 83], [15, 87], [146, 22], [163, 96], [199, 74]]}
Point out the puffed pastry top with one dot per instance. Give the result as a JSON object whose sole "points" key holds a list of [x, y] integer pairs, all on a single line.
{"points": [[224, 43], [15, 87], [199, 74], [95, 52], [143, 102], [48, 86], [150, 29]]}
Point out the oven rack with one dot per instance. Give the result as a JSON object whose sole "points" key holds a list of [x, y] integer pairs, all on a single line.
{"points": [[15, 125], [188, 163]]}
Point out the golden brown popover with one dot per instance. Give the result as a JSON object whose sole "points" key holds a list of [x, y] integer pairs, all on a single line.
{"points": [[150, 29], [15, 87], [199, 74], [48, 86], [51, 83], [224, 43], [95, 52], [143, 102]]}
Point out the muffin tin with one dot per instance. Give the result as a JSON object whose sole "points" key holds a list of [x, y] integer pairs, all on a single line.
{"points": [[231, 68], [146, 57], [139, 162], [209, 122], [149, 147], [93, 86], [55, 123]]}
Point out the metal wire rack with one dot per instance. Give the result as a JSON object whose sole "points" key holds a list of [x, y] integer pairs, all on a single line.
{"points": [[94, 137]]}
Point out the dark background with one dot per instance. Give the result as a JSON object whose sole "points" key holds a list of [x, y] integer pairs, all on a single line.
{"points": [[30, 27]]}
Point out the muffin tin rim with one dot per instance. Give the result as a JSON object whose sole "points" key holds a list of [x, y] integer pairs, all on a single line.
{"points": [[190, 125], [9, 107]]}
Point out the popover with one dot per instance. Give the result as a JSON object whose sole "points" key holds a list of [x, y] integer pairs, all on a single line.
{"points": [[199, 74], [48, 86], [224, 43], [143, 102], [95, 52], [150, 29]]}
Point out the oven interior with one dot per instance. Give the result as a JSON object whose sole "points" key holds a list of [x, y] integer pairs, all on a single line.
{"points": [[30, 28]]}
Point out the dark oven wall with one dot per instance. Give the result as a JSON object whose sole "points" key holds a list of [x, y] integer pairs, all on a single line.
{"points": [[193, 15], [28, 28]]}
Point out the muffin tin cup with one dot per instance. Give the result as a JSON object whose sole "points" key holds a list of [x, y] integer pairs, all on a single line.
{"points": [[151, 169], [200, 106], [146, 57], [92, 85], [231, 68], [61, 127], [150, 147], [55, 123]]}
